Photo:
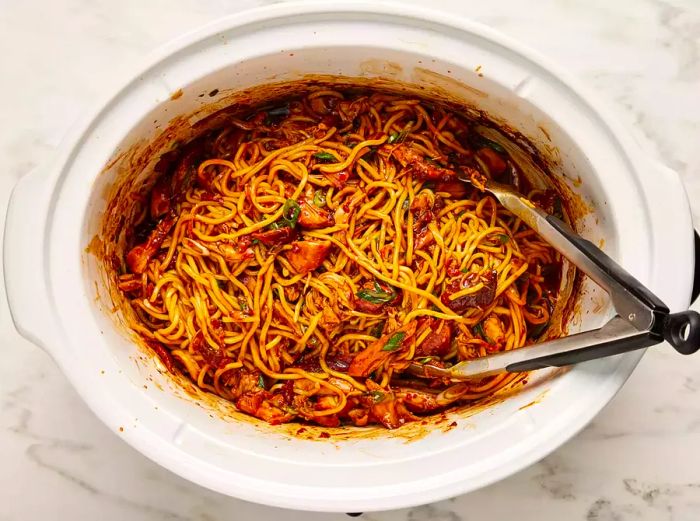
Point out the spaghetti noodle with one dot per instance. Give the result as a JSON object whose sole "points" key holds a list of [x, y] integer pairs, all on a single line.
{"points": [[297, 259]]}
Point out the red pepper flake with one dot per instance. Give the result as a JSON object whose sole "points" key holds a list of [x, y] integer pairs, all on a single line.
{"points": [[324, 435]]}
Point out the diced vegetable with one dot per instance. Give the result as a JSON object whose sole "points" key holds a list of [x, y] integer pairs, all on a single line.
{"points": [[376, 296], [320, 199], [377, 396], [313, 217], [290, 212], [397, 137]]}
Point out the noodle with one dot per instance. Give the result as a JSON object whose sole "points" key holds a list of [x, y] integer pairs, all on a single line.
{"points": [[297, 259]]}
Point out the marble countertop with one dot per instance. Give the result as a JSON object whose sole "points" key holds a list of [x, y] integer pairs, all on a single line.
{"points": [[639, 459]]}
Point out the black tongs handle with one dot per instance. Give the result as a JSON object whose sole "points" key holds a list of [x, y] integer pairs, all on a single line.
{"points": [[681, 330]]}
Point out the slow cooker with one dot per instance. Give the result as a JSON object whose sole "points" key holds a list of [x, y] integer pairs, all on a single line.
{"points": [[61, 298]]}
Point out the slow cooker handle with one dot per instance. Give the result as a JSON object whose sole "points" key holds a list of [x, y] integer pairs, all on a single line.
{"points": [[696, 279], [24, 266]]}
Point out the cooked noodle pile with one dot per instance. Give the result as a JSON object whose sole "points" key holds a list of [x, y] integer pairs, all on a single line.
{"points": [[297, 259]]}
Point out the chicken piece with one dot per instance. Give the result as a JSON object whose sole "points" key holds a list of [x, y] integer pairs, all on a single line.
{"points": [[243, 381], [349, 110], [214, 357], [338, 179], [418, 401], [239, 252], [312, 217], [425, 207], [496, 164], [437, 343], [277, 237], [493, 330], [423, 239], [329, 319], [306, 256], [456, 189], [378, 351], [421, 167], [480, 298], [345, 210], [359, 416], [267, 407], [477, 179], [386, 408], [138, 257]]}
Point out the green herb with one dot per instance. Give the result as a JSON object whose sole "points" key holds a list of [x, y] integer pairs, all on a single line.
{"points": [[255, 241], [326, 157], [377, 396], [377, 330], [493, 145], [503, 238], [464, 270], [376, 296], [394, 341], [397, 137], [242, 304], [261, 382], [480, 331], [221, 284], [537, 331], [279, 111], [424, 360], [320, 199], [290, 212]]}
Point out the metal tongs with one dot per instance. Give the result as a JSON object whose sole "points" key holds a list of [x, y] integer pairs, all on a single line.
{"points": [[642, 319]]}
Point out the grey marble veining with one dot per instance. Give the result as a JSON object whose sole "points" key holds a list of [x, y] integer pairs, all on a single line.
{"points": [[638, 460]]}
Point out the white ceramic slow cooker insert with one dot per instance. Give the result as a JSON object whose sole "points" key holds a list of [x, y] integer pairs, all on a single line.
{"points": [[639, 212]]}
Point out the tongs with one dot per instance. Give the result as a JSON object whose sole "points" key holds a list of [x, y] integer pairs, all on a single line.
{"points": [[642, 319]]}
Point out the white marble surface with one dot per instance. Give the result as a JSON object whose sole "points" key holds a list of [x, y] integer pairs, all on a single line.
{"points": [[639, 460]]}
